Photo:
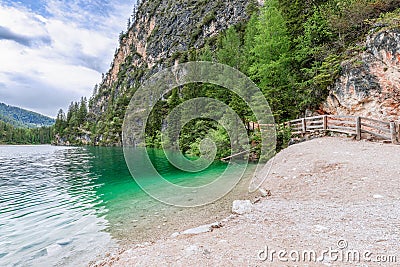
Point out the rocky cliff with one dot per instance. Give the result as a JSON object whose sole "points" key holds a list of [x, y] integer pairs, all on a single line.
{"points": [[163, 33], [369, 84], [352, 49]]}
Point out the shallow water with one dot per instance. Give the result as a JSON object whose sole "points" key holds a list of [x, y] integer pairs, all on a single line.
{"points": [[63, 206]]}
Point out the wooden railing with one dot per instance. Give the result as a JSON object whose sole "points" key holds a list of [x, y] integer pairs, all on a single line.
{"points": [[350, 125]]}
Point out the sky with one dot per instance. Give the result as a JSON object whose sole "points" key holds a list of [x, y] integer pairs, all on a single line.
{"points": [[53, 52]]}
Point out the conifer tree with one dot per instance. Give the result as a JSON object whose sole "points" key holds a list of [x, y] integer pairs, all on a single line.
{"points": [[271, 68]]}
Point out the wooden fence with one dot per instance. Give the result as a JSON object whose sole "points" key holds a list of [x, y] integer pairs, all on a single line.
{"points": [[351, 125]]}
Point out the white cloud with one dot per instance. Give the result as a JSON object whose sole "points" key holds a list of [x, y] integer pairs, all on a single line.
{"points": [[63, 51]]}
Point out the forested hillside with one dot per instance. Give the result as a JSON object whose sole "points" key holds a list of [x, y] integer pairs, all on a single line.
{"points": [[292, 50], [19, 117], [11, 135], [20, 126]]}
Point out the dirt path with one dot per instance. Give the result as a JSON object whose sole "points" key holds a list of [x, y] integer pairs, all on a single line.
{"points": [[324, 192]]}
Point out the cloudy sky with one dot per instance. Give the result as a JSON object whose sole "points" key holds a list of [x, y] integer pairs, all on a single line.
{"points": [[53, 52]]}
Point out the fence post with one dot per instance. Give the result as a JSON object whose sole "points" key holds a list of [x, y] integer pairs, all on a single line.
{"points": [[358, 128], [398, 131], [393, 132], [325, 123], [304, 125]]}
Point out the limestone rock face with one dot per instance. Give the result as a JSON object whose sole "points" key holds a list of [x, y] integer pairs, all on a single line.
{"points": [[163, 33], [370, 82]]}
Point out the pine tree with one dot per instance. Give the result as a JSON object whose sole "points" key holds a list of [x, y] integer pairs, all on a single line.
{"points": [[230, 49], [174, 125], [128, 24], [249, 43], [60, 124], [272, 61], [206, 54], [82, 112]]}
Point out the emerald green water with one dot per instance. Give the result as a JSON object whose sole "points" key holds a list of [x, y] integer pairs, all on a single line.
{"points": [[65, 206]]}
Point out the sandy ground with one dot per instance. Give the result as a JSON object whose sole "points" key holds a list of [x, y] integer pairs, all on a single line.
{"points": [[336, 197]]}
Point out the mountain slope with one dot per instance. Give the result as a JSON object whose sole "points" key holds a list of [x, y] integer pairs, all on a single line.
{"points": [[19, 117], [163, 33], [295, 52]]}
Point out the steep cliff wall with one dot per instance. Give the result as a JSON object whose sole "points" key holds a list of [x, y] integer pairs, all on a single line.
{"points": [[162, 34], [369, 84]]}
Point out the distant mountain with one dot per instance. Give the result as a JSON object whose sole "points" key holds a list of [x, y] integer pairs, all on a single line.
{"points": [[19, 117]]}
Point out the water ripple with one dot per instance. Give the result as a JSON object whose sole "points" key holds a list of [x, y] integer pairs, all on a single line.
{"points": [[47, 206]]}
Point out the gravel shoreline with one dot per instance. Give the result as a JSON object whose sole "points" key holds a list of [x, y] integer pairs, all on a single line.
{"points": [[326, 194]]}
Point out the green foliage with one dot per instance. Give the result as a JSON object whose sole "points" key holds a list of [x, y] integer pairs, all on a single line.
{"points": [[291, 49], [229, 51], [208, 18], [249, 43], [316, 32], [283, 136], [82, 111], [17, 136], [221, 140], [74, 124], [271, 67], [19, 117], [61, 123]]}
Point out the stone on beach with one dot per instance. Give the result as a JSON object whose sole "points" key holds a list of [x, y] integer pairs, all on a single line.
{"points": [[198, 230], [242, 207]]}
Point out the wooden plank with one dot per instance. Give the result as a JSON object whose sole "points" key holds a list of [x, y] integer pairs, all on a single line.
{"points": [[376, 135], [341, 128], [376, 121], [314, 131], [393, 133], [297, 126], [294, 121], [235, 155], [358, 128], [343, 122], [341, 131], [340, 117], [314, 118], [398, 131], [315, 127], [296, 129], [376, 128], [325, 123], [315, 122]]}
